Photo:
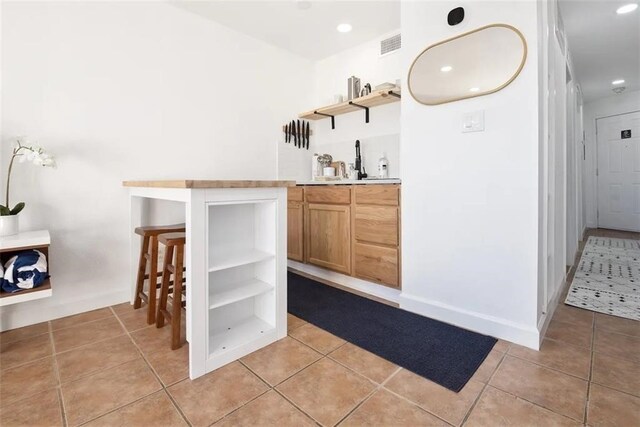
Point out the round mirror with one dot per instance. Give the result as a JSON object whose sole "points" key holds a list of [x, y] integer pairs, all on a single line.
{"points": [[472, 64]]}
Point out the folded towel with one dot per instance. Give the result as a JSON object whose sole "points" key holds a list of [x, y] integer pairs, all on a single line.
{"points": [[26, 270]]}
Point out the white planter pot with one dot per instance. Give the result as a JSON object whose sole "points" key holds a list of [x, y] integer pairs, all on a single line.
{"points": [[8, 225]]}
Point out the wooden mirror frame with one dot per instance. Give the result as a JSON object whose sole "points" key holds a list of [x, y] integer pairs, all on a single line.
{"points": [[474, 95]]}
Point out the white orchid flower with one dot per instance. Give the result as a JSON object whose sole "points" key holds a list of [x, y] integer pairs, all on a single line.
{"points": [[26, 153]]}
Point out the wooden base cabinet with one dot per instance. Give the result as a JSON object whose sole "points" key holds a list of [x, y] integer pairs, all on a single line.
{"points": [[376, 239], [351, 229], [328, 236]]}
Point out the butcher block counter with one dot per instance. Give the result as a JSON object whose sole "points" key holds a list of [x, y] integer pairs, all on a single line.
{"points": [[236, 262], [199, 183]]}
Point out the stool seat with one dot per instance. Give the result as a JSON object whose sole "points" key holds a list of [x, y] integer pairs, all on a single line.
{"points": [[172, 239], [154, 230], [149, 256]]}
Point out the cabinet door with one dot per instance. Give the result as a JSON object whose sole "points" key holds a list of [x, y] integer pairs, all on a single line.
{"points": [[295, 228], [328, 236]]}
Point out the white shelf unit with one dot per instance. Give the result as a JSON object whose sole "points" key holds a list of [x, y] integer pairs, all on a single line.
{"points": [[241, 288], [11, 245]]}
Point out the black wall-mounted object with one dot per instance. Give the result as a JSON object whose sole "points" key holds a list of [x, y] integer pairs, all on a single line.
{"points": [[625, 134], [455, 16]]}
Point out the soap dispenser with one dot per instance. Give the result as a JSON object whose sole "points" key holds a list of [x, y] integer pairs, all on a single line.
{"points": [[383, 167]]}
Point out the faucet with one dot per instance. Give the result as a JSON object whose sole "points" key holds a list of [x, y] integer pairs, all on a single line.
{"points": [[358, 159]]}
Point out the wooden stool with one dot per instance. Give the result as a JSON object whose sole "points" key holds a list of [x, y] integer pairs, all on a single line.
{"points": [[149, 254], [174, 243]]}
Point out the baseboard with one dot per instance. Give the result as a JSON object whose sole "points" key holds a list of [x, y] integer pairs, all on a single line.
{"points": [[545, 319], [477, 322], [358, 285], [30, 313]]}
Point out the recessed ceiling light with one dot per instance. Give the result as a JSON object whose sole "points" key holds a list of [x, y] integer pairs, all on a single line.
{"points": [[446, 68], [344, 28], [474, 89], [617, 82], [627, 8]]}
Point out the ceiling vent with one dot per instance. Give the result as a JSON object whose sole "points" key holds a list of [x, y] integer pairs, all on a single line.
{"points": [[390, 45]]}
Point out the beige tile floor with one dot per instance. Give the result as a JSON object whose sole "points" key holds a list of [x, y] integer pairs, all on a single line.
{"points": [[108, 367]]}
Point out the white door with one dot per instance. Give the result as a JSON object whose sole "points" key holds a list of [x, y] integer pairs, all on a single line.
{"points": [[619, 172]]}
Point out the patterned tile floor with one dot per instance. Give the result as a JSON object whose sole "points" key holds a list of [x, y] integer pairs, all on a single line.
{"points": [[108, 367]]}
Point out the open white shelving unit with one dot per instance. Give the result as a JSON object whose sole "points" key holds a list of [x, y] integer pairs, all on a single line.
{"points": [[235, 263], [12, 245], [242, 278]]}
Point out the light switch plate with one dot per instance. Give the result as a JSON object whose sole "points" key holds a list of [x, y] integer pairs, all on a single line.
{"points": [[473, 122]]}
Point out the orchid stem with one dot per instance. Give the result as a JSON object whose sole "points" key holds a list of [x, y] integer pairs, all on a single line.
{"points": [[15, 154]]}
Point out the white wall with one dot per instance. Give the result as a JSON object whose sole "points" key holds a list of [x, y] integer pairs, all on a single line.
{"points": [[120, 90], [380, 135], [605, 107], [470, 201]]}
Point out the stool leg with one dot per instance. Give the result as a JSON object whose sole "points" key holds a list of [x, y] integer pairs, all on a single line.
{"points": [[164, 289], [176, 305], [142, 269], [153, 280]]}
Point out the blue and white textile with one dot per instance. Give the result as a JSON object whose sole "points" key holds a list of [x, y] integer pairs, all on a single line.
{"points": [[26, 270]]}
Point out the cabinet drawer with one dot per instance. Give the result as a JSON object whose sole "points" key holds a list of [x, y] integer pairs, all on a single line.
{"points": [[377, 264], [295, 194], [386, 195], [377, 224], [331, 194]]}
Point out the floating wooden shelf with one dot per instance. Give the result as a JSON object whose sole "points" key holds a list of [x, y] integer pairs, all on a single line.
{"points": [[374, 99]]}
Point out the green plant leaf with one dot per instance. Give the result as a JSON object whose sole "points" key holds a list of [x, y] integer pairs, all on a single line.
{"points": [[4, 211], [17, 208]]}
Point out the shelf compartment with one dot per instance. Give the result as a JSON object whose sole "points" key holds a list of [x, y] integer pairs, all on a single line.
{"points": [[238, 324], [238, 335], [239, 291], [374, 99], [240, 233], [232, 260], [42, 291]]}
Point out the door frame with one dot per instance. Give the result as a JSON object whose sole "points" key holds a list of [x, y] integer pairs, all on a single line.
{"points": [[596, 170]]}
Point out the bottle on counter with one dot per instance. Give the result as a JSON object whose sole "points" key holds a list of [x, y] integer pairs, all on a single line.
{"points": [[353, 173], [383, 167]]}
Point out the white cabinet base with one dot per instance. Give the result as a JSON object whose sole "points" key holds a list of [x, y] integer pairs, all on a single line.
{"points": [[235, 259]]}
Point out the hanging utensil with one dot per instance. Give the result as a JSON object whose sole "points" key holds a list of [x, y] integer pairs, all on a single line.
{"points": [[286, 133], [307, 135], [293, 133]]}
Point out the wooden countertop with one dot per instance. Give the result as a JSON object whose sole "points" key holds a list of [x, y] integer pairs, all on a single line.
{"points": [[188, 183], [386, 181]]}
